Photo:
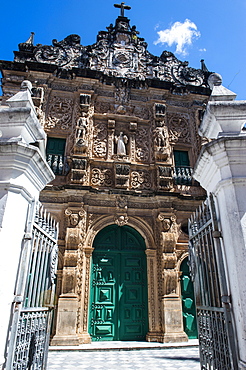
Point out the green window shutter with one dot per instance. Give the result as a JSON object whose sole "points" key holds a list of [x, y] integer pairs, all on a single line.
{"points": [[181, 158], [55, 146], [55, 150]]}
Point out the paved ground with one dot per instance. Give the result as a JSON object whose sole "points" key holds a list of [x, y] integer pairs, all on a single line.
{"points": [[162, 358]]}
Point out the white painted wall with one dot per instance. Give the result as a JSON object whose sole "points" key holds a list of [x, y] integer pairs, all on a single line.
{"points": [[221, 170], [23, 173]]}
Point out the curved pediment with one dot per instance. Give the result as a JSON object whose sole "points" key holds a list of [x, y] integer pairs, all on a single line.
{"points": [[118, 52]]}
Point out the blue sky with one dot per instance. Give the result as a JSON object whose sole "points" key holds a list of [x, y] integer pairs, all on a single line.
{"points": [[213, 30]]}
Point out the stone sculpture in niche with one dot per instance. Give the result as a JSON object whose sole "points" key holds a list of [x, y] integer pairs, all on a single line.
{"points": [[161, 141], [82, 130], [160, 138], [121, 142]]}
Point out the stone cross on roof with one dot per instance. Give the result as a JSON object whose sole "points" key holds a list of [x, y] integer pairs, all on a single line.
{"points": [[122, 7]]}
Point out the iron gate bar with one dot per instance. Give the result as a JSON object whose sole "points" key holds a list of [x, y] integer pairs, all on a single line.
{"points": [[216, 335], [29, 334]]}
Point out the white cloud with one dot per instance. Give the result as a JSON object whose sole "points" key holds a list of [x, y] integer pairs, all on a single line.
{"points": [[202, 49], [181, 34]]}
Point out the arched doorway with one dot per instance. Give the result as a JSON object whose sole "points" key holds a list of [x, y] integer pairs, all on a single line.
{"points": [[118, 296], [188, 301]]}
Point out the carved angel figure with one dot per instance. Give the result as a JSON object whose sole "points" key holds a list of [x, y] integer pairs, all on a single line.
{"points": [[121, 142]]}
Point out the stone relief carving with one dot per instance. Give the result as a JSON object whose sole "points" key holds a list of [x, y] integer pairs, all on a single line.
{"points": [[169, 224], [79, 171], [140, 180], [119, 52], [100, 140], [178, 128], [142, 145], [122, 175], [74, 217], [121, 220], [141, 111], [122, 94], [103, 107], [170, 279], [60, 113], [101, 177], [121, 202]]}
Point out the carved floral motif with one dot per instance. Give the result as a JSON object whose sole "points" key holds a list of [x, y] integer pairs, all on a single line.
{"points": [[142, 145], [140, 180], [101, 177], [60, 113], [100, 140], [178, 128]]}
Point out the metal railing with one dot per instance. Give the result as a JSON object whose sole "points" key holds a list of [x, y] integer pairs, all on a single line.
{"points": [[182, 175], [57, 163]]}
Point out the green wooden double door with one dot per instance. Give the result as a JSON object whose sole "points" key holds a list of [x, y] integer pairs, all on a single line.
{"points": [[118, 303], [188, 302]]}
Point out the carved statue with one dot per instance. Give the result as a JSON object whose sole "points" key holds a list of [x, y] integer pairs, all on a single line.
{"points": [[81, 129], [121, 142], [160, 139]]}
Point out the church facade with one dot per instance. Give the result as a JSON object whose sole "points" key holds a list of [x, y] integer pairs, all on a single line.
{"points": [[122, 138]]}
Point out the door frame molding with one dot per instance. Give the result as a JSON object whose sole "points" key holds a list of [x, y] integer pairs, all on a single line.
{"points": [[154, 311]]}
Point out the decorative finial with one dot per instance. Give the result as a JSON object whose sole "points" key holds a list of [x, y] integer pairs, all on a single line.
{"points": [[30, 39], [122, 7], [203, 66]]}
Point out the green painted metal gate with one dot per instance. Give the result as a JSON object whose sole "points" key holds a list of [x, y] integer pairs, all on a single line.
{"points": [[118, 307], [188, 302]]}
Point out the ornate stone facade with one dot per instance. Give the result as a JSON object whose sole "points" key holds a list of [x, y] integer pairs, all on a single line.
{"points": [[122, 114]]}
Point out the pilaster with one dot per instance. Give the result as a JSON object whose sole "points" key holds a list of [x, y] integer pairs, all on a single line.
{"points": [[154, 334]]}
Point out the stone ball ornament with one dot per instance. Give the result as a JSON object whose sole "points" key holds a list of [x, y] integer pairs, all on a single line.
{"points": [[215, 79]]}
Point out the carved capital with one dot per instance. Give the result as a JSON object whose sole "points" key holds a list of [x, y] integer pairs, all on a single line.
{"points": [[88, 251], [74, 216], [150, 253]]}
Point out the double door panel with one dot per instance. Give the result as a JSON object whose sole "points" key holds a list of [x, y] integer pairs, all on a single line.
{"points": [[188, 302], [118, 308]]}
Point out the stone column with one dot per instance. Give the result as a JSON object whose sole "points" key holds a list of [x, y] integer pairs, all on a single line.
{"points": [[66, 327], [84, 336], [221, 170], [23, 174], [154, 334], [171, 301]]}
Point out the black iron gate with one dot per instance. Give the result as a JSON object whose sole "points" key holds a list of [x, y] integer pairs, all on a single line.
{"points": [[32, 313], [214, 310]]}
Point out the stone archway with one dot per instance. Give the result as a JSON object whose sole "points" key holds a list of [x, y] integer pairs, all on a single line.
{"points": [[118, 291]]}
